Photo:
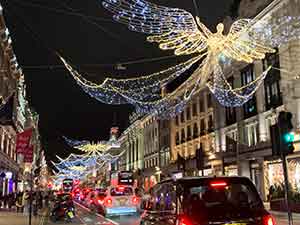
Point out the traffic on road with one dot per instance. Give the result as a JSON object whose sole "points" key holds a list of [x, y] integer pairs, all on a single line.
{"points": [[183, 201]]}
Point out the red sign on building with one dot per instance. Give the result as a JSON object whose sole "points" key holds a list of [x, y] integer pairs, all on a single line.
{"points": [[23, 140], [28, 154]]}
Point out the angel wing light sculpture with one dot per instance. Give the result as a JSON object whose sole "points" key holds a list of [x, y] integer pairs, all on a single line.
{"points": [[177, 30]]}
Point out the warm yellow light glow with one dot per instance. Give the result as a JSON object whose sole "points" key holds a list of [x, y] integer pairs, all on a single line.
{"points": [[99, 147], [237, 45]]}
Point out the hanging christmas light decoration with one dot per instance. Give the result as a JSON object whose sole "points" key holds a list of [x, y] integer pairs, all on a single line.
{"points": [[228, 96], [89, 147], [176, 29], [111, 94]]}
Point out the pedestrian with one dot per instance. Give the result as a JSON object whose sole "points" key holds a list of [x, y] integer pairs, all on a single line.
{"points": [[10, 200], [4, 201], [26, 200], [40, 200], [19, 202], [1, 200], [35, 203]]}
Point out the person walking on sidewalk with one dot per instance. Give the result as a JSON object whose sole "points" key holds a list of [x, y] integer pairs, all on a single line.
{"points": [[19, 202], [4, 201], [26, 203], [11, 200]]}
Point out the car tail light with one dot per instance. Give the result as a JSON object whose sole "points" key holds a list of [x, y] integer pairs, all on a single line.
{"points": [[217, 184], [91, 201], [135, 200], [100, 201], [268, 220], [183, 220], [108, 202]]}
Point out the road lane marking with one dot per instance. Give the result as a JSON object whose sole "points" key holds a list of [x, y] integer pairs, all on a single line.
{"points": [[113, 222], [97, 214]]}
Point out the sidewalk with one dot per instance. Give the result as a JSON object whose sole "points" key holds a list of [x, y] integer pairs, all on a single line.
{"points": [[282, 217], [13, 218]]}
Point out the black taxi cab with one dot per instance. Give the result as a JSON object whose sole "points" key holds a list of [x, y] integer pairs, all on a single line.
{"points": [[205, 201]]}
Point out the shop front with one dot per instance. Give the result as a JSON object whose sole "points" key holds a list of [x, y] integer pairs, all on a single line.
{"points": [[274, 173]]}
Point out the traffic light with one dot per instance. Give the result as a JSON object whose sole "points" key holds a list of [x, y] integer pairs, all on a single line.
{"points": [[286, 135], [282, 136]]}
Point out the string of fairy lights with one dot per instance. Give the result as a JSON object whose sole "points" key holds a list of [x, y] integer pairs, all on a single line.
{"points": [[93, 158], [177, 30]]}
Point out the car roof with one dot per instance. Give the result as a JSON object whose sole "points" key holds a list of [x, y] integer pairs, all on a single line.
{"points": [[206, 178]]}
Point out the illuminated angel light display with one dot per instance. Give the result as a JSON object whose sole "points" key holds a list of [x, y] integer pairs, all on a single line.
{"points": [[177, 30]]}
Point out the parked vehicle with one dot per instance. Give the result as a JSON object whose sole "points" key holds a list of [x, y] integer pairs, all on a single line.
{"points": [[206, 200]]}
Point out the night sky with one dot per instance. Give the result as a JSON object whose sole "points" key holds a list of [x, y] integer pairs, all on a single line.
{"points": [[39, 28]]}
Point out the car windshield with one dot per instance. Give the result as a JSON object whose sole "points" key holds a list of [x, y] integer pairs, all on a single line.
{"points": [[220, 200], [121, 191]]}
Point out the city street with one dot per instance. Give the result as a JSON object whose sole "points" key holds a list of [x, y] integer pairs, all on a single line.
{"points": [[185, 110], [86, 217]]}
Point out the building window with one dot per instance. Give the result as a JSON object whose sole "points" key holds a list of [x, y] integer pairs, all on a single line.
{"points": [[195, 130], [188, 113], [231, 141], [209, 100], [251, 134], [194, 109], [182, 117], [177, 139], [247, 76], [182, 136], [177, 120], [201, 105], [189, 133], [202, 127], [273, 95]]}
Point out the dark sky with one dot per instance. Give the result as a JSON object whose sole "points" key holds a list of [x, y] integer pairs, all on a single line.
{"points": [[37, 31]]}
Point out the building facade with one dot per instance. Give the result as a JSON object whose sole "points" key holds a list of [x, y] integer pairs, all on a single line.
{"points": [[243, 136], [235, 141], [15, 114]]}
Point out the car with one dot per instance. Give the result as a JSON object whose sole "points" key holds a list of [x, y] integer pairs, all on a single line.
{"points": [[120, 200], [95, 201], [205, 200]]}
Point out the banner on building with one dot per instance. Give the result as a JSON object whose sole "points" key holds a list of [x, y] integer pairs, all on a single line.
{"points": [[23, 140], [28, 154]]}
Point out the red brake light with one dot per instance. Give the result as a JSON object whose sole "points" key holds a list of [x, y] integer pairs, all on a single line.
{"points": [[269, 220], [100, 201], [216, 184], [135, 200], [108, 202], [91, 201], [183, 220]]}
